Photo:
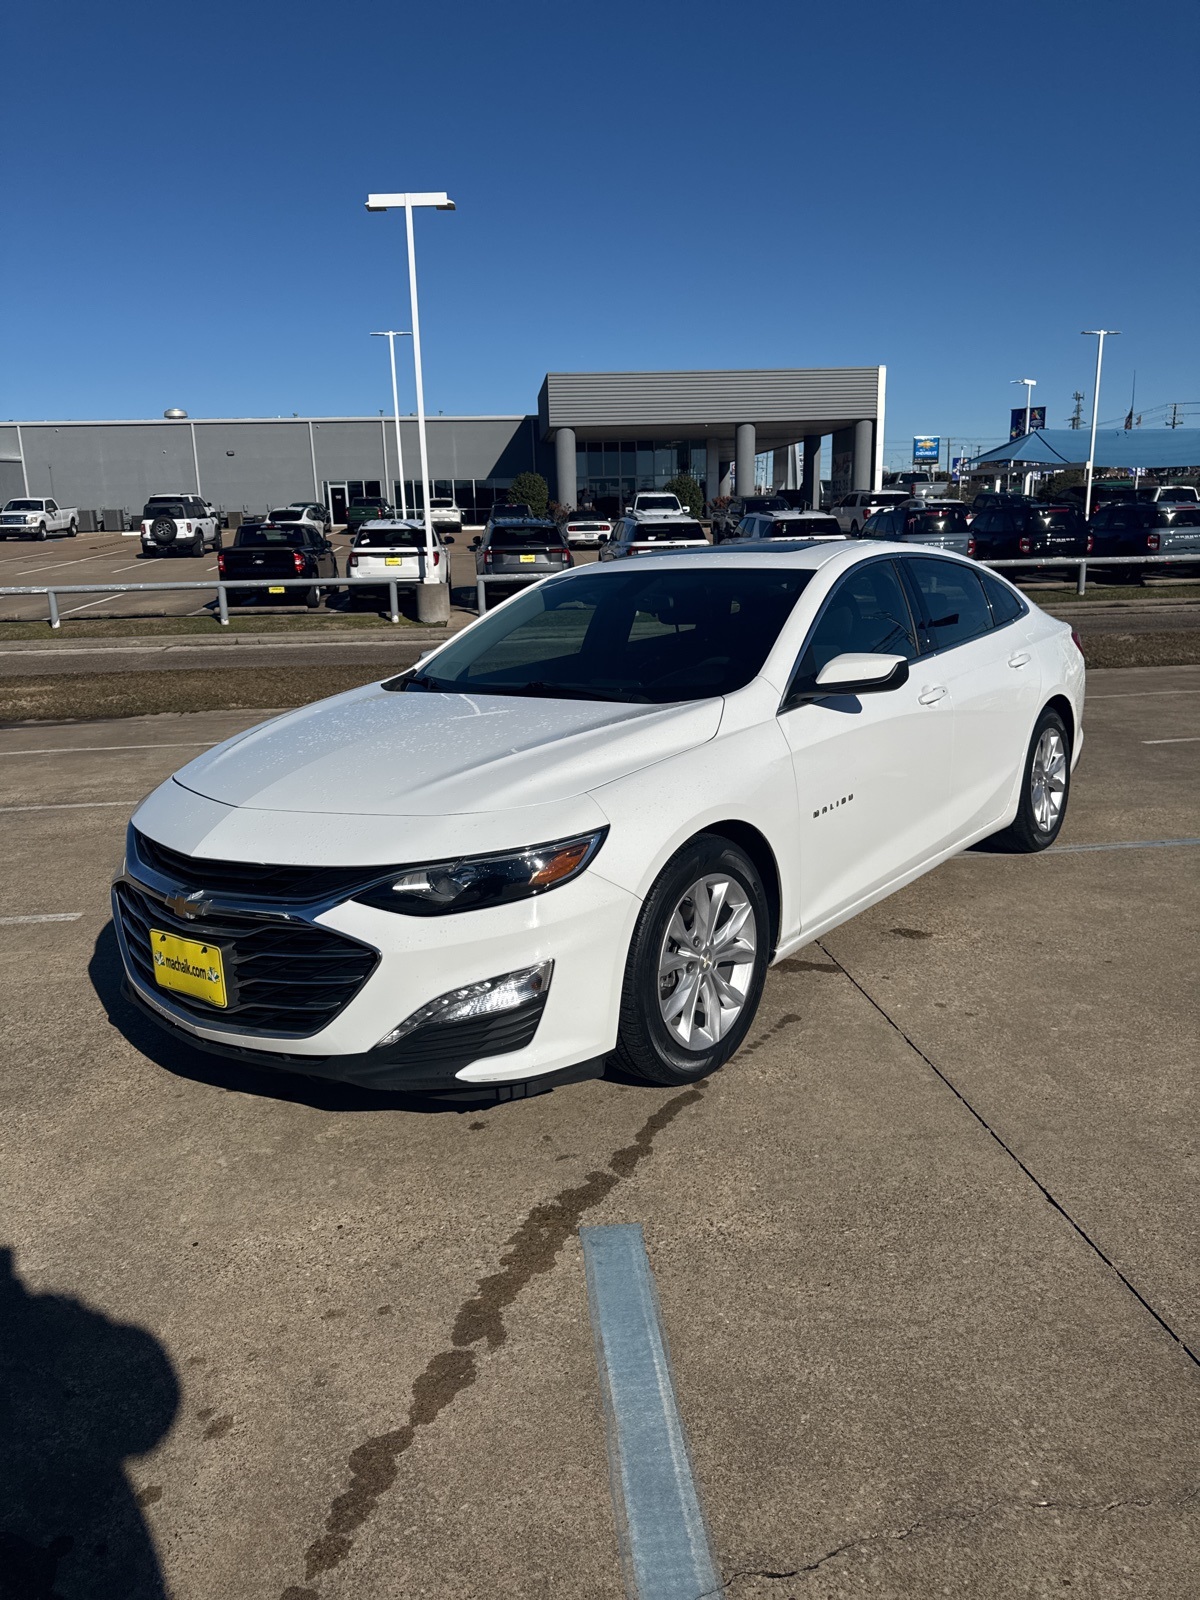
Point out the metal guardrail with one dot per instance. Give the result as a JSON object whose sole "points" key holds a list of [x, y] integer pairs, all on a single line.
{"points": [[52, 591], [273, 585]]}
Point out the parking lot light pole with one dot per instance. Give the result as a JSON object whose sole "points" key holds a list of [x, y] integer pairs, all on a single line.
{"points": [[391, 335], [1099, 334], [408, 203], [1030, 386]]}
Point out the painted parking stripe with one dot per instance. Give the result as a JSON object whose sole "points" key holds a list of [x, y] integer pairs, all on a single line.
{"points": [[1123, 844], [97, 749], [75, 805], [1192, 738], [665, 1548], [50, 916]]}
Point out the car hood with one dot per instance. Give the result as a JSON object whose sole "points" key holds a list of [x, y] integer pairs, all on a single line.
{"points": [[376, 753]]}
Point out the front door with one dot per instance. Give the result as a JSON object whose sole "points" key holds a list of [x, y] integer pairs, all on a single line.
{"points": [[337, 501], [872, 771]]}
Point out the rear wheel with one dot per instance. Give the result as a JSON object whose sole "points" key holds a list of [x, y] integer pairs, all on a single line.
{"points": [[198, 546], [854, 530], [73, 529], [218, 541], [1045, 788], [312, 599], [696, 966]]}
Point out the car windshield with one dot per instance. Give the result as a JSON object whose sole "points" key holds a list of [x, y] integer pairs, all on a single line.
{"points": [[23, 505], [512, 513], [440, 505], [524, 538], [389, 538], [293, 536], [288, 514], [1057, 521], [1177, 497], [165, 508], [657, 502], [630, 633], [668, 533]]}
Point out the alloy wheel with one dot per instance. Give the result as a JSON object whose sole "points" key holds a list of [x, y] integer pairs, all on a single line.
{"points": [[706, 962], [1048, 779]]}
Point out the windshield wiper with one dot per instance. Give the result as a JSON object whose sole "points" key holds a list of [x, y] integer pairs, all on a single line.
{"points": [[414, 680]]}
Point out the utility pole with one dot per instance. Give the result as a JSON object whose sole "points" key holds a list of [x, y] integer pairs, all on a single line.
{"points": [[1075, 420], [1174, 422]]}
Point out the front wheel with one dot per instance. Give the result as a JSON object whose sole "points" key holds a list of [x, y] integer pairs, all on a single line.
{"points": [[72, 530], [1045, 788], [696, 966], [41, 533], [854, 530]]}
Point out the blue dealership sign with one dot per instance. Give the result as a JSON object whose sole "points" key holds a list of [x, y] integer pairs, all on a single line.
{"points": [[927, 447]]}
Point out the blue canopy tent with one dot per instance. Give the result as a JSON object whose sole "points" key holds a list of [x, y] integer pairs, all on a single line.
{"points": [[1138, 448]]}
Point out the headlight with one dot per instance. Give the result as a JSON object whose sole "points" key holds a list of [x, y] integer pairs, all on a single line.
{"points": [[473, 881]]}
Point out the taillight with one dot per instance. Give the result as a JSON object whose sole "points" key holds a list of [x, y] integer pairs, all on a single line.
{"points": [[1151, 541], [970, 547], [188, 526], [1024, 546], [298, 561], [437, 556], [1091, 544], [221, 563], [487, 558], [352, 560], [1076, 641]]}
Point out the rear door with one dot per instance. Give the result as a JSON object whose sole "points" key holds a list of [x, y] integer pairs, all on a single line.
{"points": [[990, 674], [872, 771]]}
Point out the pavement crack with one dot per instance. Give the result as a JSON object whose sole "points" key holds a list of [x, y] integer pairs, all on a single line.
{"points": [[1014, 1157], [531, 1251], [951, 1515]]}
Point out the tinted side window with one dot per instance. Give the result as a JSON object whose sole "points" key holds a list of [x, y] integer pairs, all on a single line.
{"points": [[868, 610], [956, 608], [1006, 606]]}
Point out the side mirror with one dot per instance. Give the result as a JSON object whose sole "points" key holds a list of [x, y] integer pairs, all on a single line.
{"points": [[447, 538], [855, 672]]}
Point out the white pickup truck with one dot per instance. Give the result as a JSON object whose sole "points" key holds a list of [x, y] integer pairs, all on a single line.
{"points": [[38, 519]]}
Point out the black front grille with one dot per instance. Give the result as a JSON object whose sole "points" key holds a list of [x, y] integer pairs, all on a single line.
{"points": [[288, 977], [295, 884]]}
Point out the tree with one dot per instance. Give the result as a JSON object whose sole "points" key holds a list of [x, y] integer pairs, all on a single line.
{"points": [[531, 489], [687, 491], [1054, 488]]}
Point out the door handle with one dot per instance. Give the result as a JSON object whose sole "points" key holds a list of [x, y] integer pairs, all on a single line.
{"points": [[1020, 658], [931, 696]]}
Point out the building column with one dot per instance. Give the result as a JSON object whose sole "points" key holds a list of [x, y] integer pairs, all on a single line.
{"points": [[744, 453], [564, 466], [712, 470], [811, 483], [863, 470]]}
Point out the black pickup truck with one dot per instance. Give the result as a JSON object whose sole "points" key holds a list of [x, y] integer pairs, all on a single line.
{"points": [[276, 551]]}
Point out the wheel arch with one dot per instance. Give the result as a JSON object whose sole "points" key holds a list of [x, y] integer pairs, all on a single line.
{"points": [[1066, 711], [755, 844]]}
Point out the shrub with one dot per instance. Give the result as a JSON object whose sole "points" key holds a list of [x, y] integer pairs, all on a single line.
{"points": [[531, 489], [687, 491]]}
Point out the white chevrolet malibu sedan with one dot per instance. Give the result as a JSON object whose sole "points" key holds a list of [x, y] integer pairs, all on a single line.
{"points": [[587, 824]]}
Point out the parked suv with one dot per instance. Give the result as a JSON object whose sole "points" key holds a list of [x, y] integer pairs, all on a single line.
{"points": [[531, 547], [444, 515], [316, 511], [852, 510], [944, 527], [656, 503], [1005, 533], [181, 525], [639, 536], [393, 550], [817, 525], [1123, 529], [726, 519]]}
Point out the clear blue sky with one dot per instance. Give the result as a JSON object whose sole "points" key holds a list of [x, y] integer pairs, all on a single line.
{"points": [[952, 190]]}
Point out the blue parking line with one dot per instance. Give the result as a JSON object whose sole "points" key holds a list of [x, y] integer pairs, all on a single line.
{"points": [[665, 1550]]}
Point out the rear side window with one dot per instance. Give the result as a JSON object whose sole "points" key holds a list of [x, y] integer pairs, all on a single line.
{"points": [[956, 608], [1006, 605]]}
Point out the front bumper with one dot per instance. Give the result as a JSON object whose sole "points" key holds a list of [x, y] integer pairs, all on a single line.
{"points": [[584, 927]]}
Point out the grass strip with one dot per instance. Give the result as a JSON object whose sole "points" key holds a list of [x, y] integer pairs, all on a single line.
{"points": [[150, 627]]}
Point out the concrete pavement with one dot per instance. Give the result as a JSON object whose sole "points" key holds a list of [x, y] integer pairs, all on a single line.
{"points": [[925, 1250]]}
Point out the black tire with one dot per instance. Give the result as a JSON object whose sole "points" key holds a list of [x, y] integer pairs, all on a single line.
{"points": [[312, 598], [1026, 834], [72, 530], [197, 550], [854, 530], [41, 533], [162, 531], [646, 1046], [219, 541]]}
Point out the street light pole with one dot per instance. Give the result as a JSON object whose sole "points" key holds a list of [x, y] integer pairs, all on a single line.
{"points": [[391, 335], [1030, 386], [407, 203], [1099, 334]]}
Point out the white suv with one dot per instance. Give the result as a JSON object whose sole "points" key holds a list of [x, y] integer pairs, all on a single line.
{"points": [[444, 514], [179, 524], [656, 503], [852, 510]]}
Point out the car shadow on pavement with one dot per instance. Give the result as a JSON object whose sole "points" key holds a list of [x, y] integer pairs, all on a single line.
{"points": [[185, 1061], [82, 1394]]}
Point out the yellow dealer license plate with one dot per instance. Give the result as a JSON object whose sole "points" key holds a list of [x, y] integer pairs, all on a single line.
{"points": [[392, 561], [530, 559], [274, 590], [188, 967]]}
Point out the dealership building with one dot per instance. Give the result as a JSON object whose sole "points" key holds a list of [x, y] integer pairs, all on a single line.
{"points": [[597, 437]]}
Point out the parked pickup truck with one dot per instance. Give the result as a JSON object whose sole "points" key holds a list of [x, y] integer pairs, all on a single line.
{"points": [[283, 550], [38, 519], [366, 508]]}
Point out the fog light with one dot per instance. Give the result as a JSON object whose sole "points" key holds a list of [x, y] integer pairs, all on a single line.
{"points": [[505, 993]]}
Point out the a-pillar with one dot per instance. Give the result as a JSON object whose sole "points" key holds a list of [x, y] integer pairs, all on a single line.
{"points": [[744, 453], [564, 466], [863, 470], [811, 485]]}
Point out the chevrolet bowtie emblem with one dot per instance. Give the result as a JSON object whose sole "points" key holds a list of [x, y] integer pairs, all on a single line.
{"points": [[189, 906]]}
